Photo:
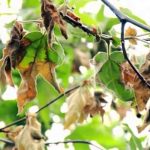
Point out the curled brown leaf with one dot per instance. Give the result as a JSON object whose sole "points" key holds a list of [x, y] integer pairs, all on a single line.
{"points": [[51, 16], [30, 137], [142, 92], [81, 104], [27, 89]]}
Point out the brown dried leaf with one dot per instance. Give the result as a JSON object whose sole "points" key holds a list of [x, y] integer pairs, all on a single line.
{"points": [[96, 106], [146, 122], [73, 16], [76, 103], [12, 54], [13, 133], [131, 32], [27, 89], [30, 137], [142, 92], [50, 17], [82, 103]]}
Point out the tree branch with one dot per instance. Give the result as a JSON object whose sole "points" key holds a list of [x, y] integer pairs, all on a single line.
{"points": [[83, 27], [7, 141], [54, 100], [60, 142], [46, 105], [124, 19], [75, 142], [12, 124]]}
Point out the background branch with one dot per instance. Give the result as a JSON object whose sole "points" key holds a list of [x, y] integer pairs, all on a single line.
{"points": [[124, 19], [6, 141], [45, 106], [75, 142]]}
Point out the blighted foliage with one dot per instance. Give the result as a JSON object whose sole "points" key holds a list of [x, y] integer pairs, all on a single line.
{"points": [[142, 92], [131, 33], [83, 103], [37, 53], [29, 53], [12, 54], [28, 137], [51, 17]]}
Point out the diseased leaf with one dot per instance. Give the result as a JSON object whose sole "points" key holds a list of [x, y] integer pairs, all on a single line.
{"points": [[131, 32], [110, 75], [30, 137], [12, 54], [51, 16], [82, 103], [38, 60], [142, 92]]}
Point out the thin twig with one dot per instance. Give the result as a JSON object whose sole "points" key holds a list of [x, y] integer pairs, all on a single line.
{"points": [[126, 56], [54, 100], [12, 124], [142, 40], [124, 19], [7, 141], [138, 39], [46, 105], [59, 142], [83, 27], [74, 142]]}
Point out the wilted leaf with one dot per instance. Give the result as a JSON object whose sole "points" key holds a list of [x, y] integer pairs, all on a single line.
{"points": [[82, 103], [13, 133], [38, 60], [142, 92], [12, 54], [51, 17], [14, 43], [131, 32], [30, 137]]}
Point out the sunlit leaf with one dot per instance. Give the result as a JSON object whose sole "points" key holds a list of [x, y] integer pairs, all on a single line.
{"points": [[99, 134], [110, 75], [135, 142]]}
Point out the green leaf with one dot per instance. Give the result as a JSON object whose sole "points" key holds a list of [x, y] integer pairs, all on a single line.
{"points": [[95, 131], [60, 52], [100, 15], [39, 51], [116, 41], [100, 57], [30, 4], [129, 13], [117, 57], [8, 111], [46, 92], [106, 23], [110, 74], [33, 36], [134, 141]]}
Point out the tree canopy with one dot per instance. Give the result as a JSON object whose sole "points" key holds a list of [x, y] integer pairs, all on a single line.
{"points": [[77, 74]]}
